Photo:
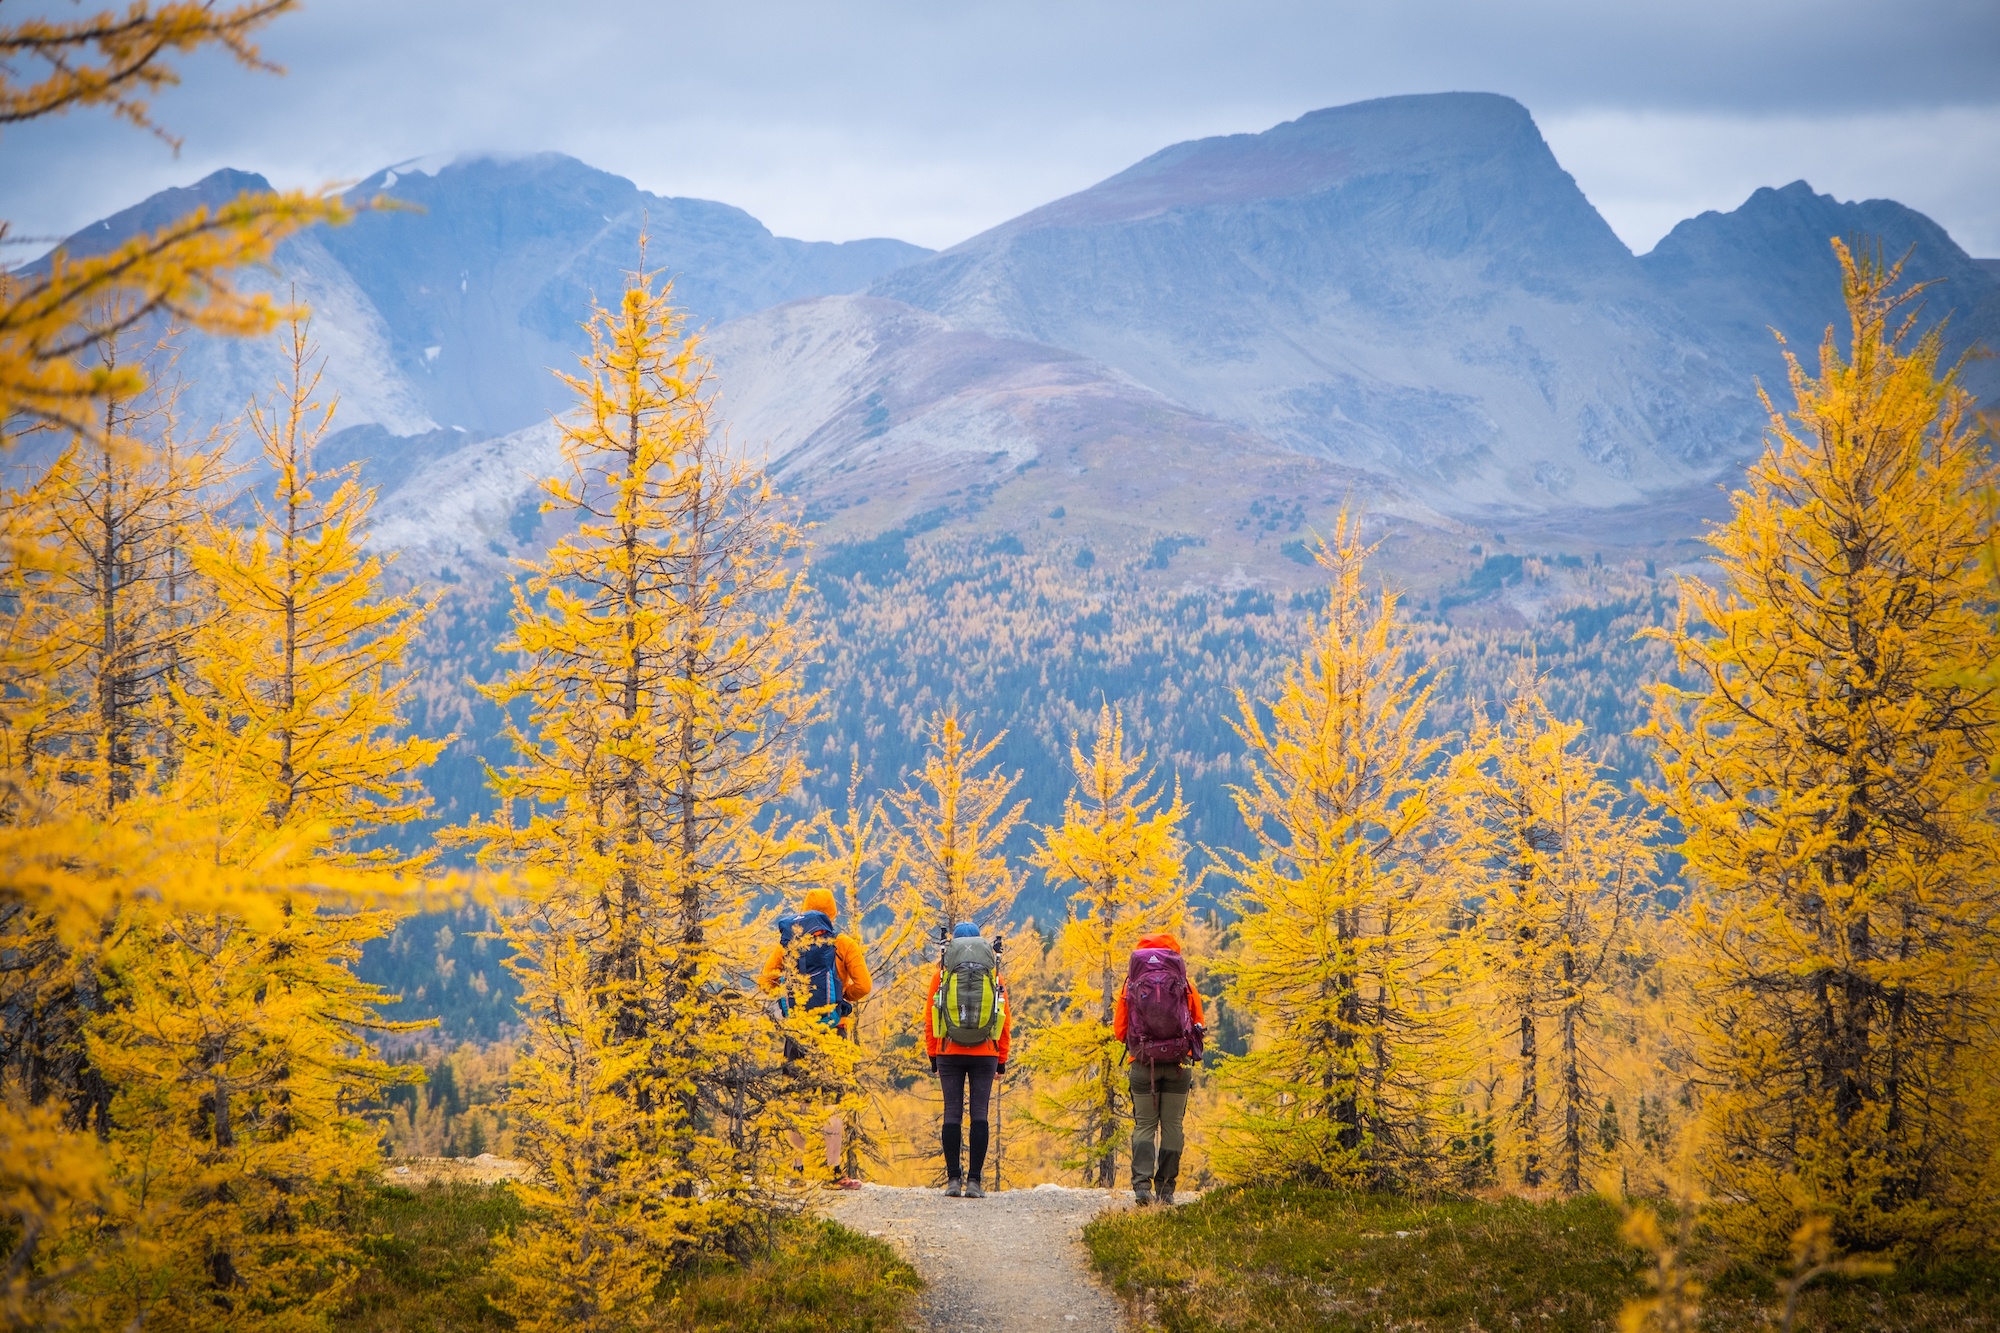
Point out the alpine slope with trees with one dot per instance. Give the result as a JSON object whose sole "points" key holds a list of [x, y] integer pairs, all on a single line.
{"points": [[1452, 954]]}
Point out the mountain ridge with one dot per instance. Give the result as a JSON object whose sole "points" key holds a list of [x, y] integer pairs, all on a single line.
{"points": [[451, 311], [1745, 269], [1389, 308], [1410, 290]]}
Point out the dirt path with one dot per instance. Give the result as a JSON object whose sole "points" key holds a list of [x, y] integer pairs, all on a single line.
{"points": [[1011, 1261]]}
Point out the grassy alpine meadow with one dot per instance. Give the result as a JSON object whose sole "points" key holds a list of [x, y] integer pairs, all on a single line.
{"points": [[1289, 1257], [432, 1270]]}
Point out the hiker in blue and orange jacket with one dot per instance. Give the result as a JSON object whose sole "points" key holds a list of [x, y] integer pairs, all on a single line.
{"points": [[1159, 1018], [967, 1032], [812, 926]]}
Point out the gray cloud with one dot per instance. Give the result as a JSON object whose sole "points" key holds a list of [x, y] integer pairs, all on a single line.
{"points": [[932, 121]]}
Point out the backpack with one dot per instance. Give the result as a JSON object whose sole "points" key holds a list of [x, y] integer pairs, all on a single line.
{"points": [[817, 963], [1158, 1027], [971, 1008]]}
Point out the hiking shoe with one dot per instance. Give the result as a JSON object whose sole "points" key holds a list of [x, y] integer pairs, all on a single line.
{"points": [[1142, 1193], [974, 1190], [954, 1188], [847, 1183], [1166, 1197]]}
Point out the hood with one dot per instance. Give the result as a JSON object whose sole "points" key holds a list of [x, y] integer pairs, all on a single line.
{"points": [[821, 900], [1163, 940], [805, 923]]}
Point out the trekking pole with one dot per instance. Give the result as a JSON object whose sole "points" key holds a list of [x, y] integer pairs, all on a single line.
{"points": [[999, 1085]]}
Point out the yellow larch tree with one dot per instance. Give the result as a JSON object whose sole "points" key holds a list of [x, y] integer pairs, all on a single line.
{"points": [[664, 648], [96, 617], [90, 632], [1830, 766], [1555, 869], [852, 858], [950, 832], [188, 1002], [1344, 920], [1120, 848], [239, 1049], [295, 713], [69, 863], [947, 839]]}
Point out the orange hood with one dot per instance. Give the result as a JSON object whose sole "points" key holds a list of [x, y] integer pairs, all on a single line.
{"points": [[1163, 940], [821, 900]]}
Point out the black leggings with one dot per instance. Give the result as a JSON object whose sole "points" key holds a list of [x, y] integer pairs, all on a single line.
{"points": [[953, 1073]]}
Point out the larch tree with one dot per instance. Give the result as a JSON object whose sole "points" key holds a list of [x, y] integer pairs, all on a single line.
{"points": [[240, 1048], [295, 713], [66, 864], [664, 648], [1556, 867], [1831, 766], [853, 860], [185, 999], [947, 839], [950, 830], [1344, 923], [1120, 848], [96, 618]]}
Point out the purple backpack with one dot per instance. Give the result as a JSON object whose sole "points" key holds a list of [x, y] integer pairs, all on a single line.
{"points": [[1158, 1027]]}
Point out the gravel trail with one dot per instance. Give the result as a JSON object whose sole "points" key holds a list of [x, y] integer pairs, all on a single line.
{"points": [[1011, 1261]]}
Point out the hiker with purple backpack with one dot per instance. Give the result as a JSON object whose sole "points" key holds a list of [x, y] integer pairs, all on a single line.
{"points": [[1158, 1017]]}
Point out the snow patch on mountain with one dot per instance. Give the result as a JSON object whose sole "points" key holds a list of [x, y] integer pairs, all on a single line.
{"points": [[470, 501]]}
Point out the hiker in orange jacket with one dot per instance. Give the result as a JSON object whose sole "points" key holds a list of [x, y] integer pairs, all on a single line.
{"points": [[850, 964], [815, 919], [966, 1066], [1163, 1057]]}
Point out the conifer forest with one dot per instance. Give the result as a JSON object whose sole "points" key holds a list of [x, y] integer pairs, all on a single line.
{"points": [[1673, 914]]}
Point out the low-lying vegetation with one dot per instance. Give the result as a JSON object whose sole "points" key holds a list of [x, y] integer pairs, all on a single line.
{"points": [[432, 1251], [1280, 1258]]}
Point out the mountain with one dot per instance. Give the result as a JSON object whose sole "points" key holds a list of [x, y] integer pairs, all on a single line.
{"points": [[1412, 286], [1408, 299], [221, 374], [1769, 265], [448, 307], [487, 272]]}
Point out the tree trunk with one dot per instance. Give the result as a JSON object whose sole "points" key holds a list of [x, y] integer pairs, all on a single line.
{"points": [[1528, 1108], [1572, 1076]]}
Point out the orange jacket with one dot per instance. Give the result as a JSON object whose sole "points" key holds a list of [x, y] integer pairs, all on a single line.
{"points": [[1163, 940], [934, 1046], [849, 963]]}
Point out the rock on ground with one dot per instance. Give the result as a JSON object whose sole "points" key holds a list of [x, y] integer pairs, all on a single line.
{"points": [[1011, 1261]]}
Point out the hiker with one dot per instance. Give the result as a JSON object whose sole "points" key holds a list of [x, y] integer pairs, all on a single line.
{"points": [[967, 1030], [836, 975], [1158, 1017]]}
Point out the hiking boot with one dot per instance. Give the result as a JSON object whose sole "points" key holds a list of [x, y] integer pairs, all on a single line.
{"points": [[973, 1189], [1142, 1193], [1166, 1197], [954, 1188]]}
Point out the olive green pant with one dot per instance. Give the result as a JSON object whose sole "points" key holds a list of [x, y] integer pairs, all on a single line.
{"points": [[1159, 1109]]}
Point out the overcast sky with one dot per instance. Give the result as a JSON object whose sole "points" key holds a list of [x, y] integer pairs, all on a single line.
{"points": [[833, 119]]}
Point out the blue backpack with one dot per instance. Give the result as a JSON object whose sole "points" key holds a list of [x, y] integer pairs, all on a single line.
{"points": [[817, 963]]}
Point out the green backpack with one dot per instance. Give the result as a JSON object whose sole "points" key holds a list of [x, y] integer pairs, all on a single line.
{"points": [[971, 1008]]}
